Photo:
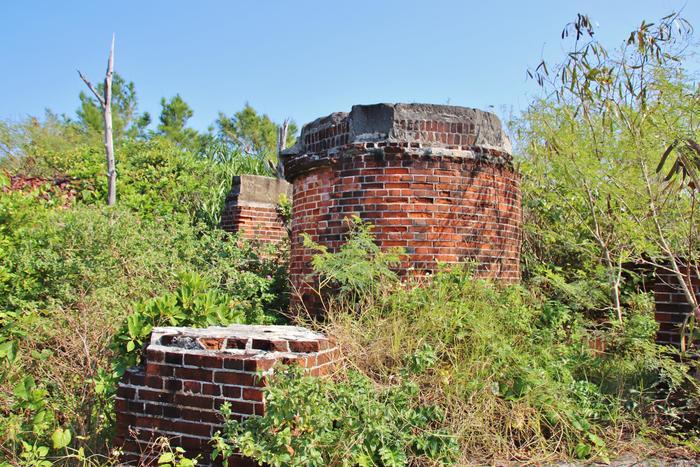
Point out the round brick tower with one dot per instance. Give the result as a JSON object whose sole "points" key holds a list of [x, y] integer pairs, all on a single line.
{"points": [[436, 180]]}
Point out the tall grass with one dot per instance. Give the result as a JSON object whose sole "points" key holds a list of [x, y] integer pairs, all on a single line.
{"points": [[227, 162]]}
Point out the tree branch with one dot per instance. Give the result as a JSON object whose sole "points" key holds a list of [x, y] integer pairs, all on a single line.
{"points": [[92, 88]]}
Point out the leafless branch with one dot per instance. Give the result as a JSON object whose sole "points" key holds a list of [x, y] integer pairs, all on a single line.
{"points": [[92, 88]]}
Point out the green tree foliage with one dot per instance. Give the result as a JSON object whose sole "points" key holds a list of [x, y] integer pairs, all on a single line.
{"points": [[173, 122], [253, 133], [126, 120], [593, 202], [157, 177], [24, 144]]}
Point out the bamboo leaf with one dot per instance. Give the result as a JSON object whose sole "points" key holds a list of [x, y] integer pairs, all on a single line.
{"points": [[665, 155]]}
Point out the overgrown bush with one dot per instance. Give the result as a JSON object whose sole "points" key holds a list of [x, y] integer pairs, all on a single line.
{"points": [[610, 160], [358, 272], [318, 422], [195, 303], [514, 371], [156, 177], [71, 278]]}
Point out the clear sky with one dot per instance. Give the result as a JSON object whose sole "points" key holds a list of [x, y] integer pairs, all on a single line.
{"points": [[299, 59]]}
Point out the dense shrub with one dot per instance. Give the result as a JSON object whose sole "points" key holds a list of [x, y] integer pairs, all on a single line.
{"points": [[514, 371], [312, 421], [71, 278], [156, 177]]}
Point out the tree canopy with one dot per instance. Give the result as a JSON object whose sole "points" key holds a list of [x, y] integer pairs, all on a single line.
{"points": [[173, 119], [253, 133], [126, 120]]}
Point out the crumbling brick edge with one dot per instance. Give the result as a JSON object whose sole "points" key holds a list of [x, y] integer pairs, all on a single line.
{"points": [[188, 373], [251, 208]]}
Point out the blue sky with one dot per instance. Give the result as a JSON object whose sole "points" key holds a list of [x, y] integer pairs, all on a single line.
{"points": [[298, 59]]}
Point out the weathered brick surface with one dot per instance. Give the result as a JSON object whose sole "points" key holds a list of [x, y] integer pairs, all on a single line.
{"points": [[252, 208], [181, 385], [435, 180], [254, 222], [672, 307]]}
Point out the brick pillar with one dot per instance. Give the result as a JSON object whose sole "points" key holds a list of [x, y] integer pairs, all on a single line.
{"points": [[671, 304], [251, 208], [436, 180], [188, 373]]}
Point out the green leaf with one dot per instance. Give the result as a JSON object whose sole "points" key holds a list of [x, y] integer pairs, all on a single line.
{"points": [[146, 330], [166, 458], [595, 439], [582, 451], [8, 350], [134, 325], [61, 438], [664, 156], [39, 419], [23, 389]]}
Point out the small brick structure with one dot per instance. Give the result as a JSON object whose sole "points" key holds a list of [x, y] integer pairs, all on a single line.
{"points": [[61, 189], [436, 180], [672, 307], [188, 373], [252, 208]]}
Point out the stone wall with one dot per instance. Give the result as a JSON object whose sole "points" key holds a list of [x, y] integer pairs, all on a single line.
{"points": [[671, 305], [436, 180], [187, 374], [252, 208]]}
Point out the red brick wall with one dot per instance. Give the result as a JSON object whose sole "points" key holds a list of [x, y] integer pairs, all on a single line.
{"points": [[671, 305], [178, 390], [435, 188], [254, 222], [439, 211], [311, 215], [252, 208]]}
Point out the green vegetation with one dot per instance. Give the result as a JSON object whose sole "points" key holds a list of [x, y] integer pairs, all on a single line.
{"points": [[447, 369], [564, 365], [512, 369], [81, 285], [314, 421], [593, 200]]}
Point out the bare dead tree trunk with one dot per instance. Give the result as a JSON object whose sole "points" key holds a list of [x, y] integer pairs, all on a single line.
{"points": [[105, 101], [281, 145], [109, 142]]}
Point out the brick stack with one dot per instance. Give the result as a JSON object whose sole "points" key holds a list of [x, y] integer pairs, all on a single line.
{"points": [[188, 373], [672, 307], [252, 208], [436, 180]]}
